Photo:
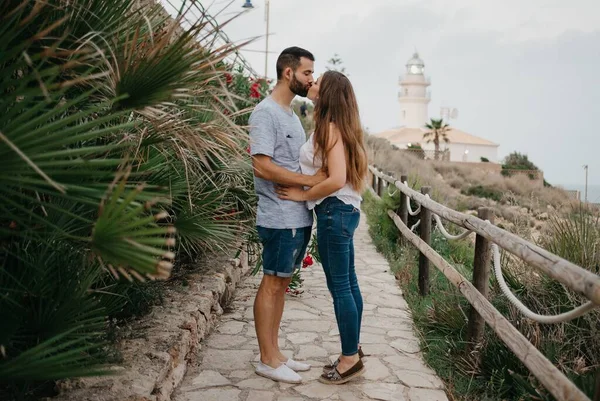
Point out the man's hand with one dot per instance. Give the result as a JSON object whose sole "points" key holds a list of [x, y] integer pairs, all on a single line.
{"points": [[290, 193], [267, 170], [318, 178]]}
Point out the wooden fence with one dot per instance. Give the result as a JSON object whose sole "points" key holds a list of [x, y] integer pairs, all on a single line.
{"points": [[482, 311]]}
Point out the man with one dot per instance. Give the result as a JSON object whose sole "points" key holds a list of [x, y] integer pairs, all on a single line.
{"points": [[284, 227]]}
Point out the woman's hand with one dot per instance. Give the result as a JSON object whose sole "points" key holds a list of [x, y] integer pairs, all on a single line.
{"points": [[290, 193]]}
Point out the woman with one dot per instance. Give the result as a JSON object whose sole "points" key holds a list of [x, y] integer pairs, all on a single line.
{"points": [[337, 147]]}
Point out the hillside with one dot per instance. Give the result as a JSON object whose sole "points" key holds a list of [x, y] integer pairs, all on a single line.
{"points": [[521, 205]]}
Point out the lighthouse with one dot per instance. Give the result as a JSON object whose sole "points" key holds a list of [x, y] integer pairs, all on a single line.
{"points": [[414, 100], [413, 95]]}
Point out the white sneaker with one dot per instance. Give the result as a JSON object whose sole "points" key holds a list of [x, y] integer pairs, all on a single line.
{"points": [[280, 374], [297, 366]]}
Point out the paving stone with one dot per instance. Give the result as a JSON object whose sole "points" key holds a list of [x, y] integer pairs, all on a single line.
{"points": [[300, 315], [256, 395], [241, 374], [408, 363], [384, 391], [372, 330], [368, 338], [316, 390], [419, 379], [388, 323], [388, 301], [369, 306], [302, 337], [351, 395], [298, 304], [406, 346], [378, 350], [310, 351], [209, 378], [213, 394], [421, 394], [376, 371], [249, 314], [227, 359], [224, 341], [408, 334], [258, 383], [231, 327], [310, 325]]}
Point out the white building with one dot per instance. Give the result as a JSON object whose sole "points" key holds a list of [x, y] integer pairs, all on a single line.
{"points": [[414, 100]]}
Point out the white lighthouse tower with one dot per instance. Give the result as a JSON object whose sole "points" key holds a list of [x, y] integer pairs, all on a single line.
{"points": [[413, 96]]}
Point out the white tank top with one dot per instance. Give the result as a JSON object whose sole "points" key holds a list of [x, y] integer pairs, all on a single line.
{"points": [[309, 166]]}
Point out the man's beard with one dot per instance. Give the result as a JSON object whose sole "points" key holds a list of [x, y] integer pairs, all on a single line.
{"points": [[298, 88]]}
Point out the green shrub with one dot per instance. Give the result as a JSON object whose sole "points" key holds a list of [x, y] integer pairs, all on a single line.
{"points": [[122, 160], [483, 192]]}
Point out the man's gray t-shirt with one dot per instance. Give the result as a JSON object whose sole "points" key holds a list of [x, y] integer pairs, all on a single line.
{"points": [[278, 133]]}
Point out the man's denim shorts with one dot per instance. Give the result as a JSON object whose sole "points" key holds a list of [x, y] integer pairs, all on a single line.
{"points": [[283, 249]]}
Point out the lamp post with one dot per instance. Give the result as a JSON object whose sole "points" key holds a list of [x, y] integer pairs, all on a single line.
{"points": [[248, 4], [267, 7]]}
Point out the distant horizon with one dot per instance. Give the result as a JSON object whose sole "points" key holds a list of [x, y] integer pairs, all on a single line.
{"points": [[593, 191]]}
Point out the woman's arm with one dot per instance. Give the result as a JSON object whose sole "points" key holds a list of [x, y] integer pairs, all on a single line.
{"points": [[336, 163]]}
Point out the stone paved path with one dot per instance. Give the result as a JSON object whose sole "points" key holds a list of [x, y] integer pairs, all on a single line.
{"points": [[394, 368]]}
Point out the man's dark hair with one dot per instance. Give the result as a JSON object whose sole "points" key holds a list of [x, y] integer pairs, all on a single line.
{"points": [[290, 57]]}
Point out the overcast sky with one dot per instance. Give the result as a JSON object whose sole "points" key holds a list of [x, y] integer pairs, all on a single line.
{"points": [[524, 74]]}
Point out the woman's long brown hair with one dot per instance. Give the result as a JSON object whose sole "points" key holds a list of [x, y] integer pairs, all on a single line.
{"points": [[337, 104]]}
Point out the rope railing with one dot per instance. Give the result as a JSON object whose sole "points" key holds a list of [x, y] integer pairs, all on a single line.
{"points": [[446, 234], [574, 277], [489, 240], [548, 319], [410, 211]]}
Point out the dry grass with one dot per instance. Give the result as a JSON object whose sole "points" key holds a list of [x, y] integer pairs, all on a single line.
{"points": [[522, 203]]}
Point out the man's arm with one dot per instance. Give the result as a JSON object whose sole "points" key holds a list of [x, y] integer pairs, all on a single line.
{"points": [[267, 170]]}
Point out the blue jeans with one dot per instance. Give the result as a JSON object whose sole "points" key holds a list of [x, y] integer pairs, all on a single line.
{"points": [[336, 223]]}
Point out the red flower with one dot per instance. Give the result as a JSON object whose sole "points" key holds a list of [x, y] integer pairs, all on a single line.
{"points": [[254, 91], [287, 290], [308, 261], [248, 149], [228, 78], [12, 225]]}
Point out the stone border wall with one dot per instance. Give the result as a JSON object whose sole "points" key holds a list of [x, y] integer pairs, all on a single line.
{"points": [[155, 362]]}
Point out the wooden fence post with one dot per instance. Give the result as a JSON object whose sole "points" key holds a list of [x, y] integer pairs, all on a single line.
{"points": [[481, 279], [374, 182], [425, 229], [403, 210], [379, 185]]}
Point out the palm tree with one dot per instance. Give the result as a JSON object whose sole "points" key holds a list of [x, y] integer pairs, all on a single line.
{"points": [[119, 152], [437, 130]]}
